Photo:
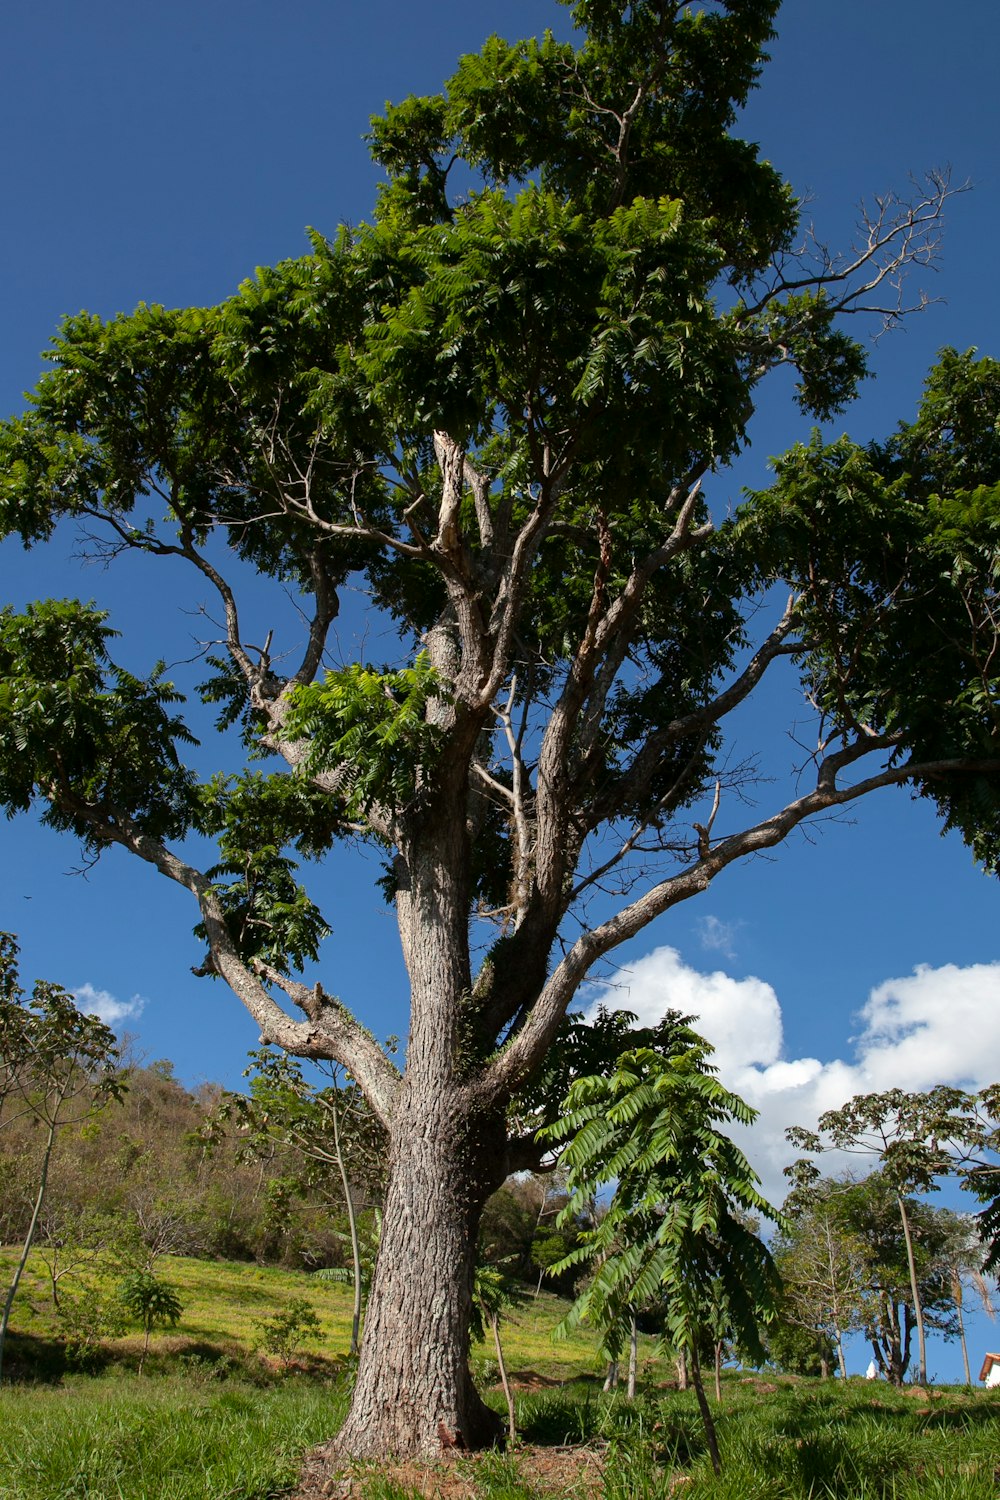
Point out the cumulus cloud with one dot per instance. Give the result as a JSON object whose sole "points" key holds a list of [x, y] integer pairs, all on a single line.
{"points": [[111, 1010], [932, 1026]]}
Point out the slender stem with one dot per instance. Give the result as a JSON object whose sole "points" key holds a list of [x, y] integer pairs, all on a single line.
{"points": [[29, 1237], [353, 1227], [633, 1357], [511, 1425], [706, 1414], [914, 1288]]}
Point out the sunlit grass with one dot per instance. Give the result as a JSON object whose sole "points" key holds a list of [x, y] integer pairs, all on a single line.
{"points": [[222, 1301], [211, 1421], [116, 1437]]}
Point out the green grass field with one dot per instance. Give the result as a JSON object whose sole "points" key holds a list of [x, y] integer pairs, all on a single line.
{"points": [[209, 1420]]}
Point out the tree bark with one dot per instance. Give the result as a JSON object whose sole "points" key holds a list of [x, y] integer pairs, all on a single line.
{"points": [[414, 1394], [633, 1357]]}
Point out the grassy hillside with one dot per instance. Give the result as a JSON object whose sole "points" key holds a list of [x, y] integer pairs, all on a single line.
{"points": [[211, 1421], [223, 1300]]}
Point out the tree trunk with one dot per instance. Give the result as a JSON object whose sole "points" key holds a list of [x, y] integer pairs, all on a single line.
{"points": [[611, 1378], [633, 1358], [682, 1372], [914, 1291], [352, 1225], [706, 1414], [414, 1394], [29, 1237], [841, 1362], [502, 1367], [961, 1336], [718, 1372]]}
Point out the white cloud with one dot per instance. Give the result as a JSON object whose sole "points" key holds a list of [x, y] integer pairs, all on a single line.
{"points": [[718, 936], [932, 1026], [105, 1005]]}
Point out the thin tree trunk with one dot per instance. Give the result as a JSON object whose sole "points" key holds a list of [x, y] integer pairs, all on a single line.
{"points": [[706, 1413], [511, 1423], [633, 1358], [956, 1291], [682, 1372], [145, 1347], [914, 1290], [718, 1372], [352, 1225], [29, 1237], [611, 1379], [965, 1348], [841, 1362]]}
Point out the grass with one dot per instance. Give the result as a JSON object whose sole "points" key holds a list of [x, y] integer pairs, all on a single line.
{"points": [[211, 1422], [222, 1300], [116, 1437]]}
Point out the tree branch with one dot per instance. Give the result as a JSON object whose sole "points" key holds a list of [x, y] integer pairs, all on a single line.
{"points": [[517, 1060]]}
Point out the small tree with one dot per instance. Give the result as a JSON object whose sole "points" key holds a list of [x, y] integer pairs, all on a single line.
{"points": [[915, 1138], [825, 1270], [326, 1127], [57, 1066], [493, 1293], [152, 1302], [284, 1332], [962, 1257], [675, 1229]]}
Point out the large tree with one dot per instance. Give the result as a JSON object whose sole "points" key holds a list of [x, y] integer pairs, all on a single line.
{"points": [[498, 407]]}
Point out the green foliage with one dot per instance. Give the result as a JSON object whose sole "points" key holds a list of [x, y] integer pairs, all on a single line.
{"points": [[903, 535], [151, 1302], [674, 1233], [284, 1332], [80, 733], [372, 724], [45, 1037], [88, 1315]]}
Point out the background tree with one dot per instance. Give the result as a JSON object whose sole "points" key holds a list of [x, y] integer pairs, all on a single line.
{"points": [[498, 407], [57, 1066], [979, 1169], [867, 1209], [326, 1128], [825, 1270], [916, 1138], [962, 1257]]}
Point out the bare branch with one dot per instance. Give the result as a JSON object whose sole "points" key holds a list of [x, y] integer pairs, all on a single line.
{"points": [[523, 1052]]}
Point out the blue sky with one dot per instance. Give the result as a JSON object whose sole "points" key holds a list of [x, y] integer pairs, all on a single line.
{"points": [[160, 153]]}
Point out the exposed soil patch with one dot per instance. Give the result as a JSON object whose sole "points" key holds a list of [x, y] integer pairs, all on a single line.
{"points": [[571, 1470]]}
